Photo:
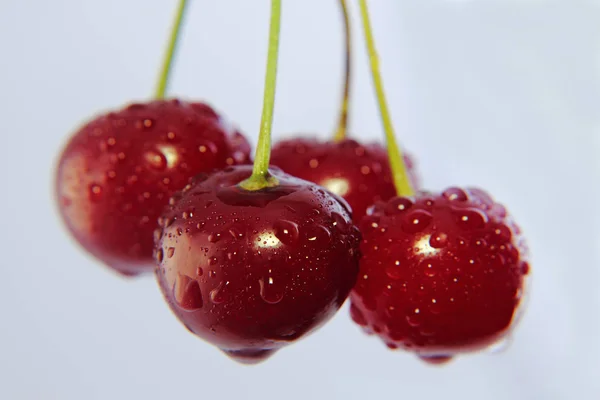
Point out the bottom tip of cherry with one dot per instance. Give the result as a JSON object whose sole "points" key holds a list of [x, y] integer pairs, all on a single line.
{"points": [[249, 356]]}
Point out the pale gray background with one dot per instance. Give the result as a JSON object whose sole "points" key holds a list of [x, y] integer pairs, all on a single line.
{"points": [[502, 94]]}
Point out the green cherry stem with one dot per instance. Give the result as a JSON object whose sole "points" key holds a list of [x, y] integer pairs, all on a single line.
{"points": [[163, 77], [260, 177], [399, 172], [342, 125]]}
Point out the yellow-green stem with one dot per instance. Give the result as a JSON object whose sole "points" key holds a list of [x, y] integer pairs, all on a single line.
{"points": [[397, 165], [163, 77], [260, 177], [342, 126]]}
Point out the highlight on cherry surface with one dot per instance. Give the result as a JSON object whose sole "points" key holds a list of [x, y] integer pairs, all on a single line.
{"points": [[117, 172], [440, 274], [251, 271]]}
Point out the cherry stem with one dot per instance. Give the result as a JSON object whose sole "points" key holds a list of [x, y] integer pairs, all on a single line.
{"points": [[399, 171], [342, 126], [163, 77], [260, 177]]}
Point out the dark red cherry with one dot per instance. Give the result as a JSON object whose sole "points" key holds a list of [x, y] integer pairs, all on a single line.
{"points": [[441, 274], [118, 171], [359, 173], [252, 271]]}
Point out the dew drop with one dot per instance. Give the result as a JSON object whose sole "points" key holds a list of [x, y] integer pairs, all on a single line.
{"points": [[470, 219], [357, 315], [199, 271], [339, 221], [394, 271], [216, 295], [159, 255], [213, 261], [438, 240], [95, 192], [156, 160], [455, 194], [287, 232], [429, 267], [435, 360], [414, 318], [187, 293], [416, 221], [236, 232], [170, 252], [214, 237], [249, 356], [269, 290], [397, 205], [319, 234]]}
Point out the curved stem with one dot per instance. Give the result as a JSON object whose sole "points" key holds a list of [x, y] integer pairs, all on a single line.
{"points": [[260, 177], [399, 172], [163, 77], [342, 126]]}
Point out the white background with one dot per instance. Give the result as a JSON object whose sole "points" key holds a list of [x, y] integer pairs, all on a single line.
{"points": [[500, 94]]}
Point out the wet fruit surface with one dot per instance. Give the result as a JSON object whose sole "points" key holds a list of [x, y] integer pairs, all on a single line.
{"points": [[118, 171], [440, 274], [359, 173], [251, 271]]}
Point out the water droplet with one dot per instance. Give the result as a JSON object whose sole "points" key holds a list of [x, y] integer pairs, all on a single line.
{"points": [[269, 290], [249, 356], [111, 174], [212, 273], [397, 205], [416, 221], [502, 234], [313, 163], [95, 192], [214, 237], [414, 319], [438, 240], [287, 231], [318, 233], [395, 271], [170, 252], [208, 148], [199, 271], [213, 261], [187, 293], [429, 267], [216, 295], [470, 219], [455, 194], [156, 160], [339, 221], [435, 360], [236, 232], [357, 315], [159, 255]]}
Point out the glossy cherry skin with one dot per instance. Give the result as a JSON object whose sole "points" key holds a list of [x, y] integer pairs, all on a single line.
{"points": [[252, 271], [359, 173], [117, 172], [441, 274]]}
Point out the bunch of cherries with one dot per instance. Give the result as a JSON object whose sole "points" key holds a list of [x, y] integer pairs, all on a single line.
{"points": [[253, 257]]}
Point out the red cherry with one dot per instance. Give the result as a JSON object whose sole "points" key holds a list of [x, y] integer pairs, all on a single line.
{"points": [[359, 173], [118, 171], [252, 271], [440, 274]]}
